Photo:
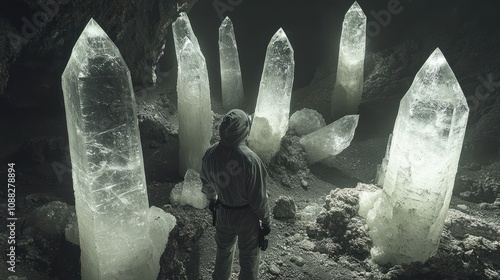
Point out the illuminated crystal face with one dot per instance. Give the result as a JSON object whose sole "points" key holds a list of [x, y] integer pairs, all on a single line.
{"points": [[194, 108], [349, 83], [331, 139], [306, 121], [189, 191], [232, 86], [181, 28], [273, 103], [406, 218], [108, 173]]}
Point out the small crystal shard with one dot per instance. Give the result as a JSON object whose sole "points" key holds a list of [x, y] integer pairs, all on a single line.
{"points": [[306, 121], [273, 103], [406, 218], [194, 107], [232, 86], [349, 83], [189, 191], [108, 172], [331, 139], [160, 225]]}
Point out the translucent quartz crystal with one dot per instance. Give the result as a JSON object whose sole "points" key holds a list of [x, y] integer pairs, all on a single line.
{"points": [[189, 191], [108, 173], [181, 28], [306, 121], [273, 103], [194, 108], [406, 218], [232, 86], [349, 83], [331, 139]]}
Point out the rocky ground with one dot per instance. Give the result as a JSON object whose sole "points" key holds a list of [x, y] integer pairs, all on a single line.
{"points": [[316, 234]]}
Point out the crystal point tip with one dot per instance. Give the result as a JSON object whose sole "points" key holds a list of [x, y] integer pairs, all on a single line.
{"points": [[93, 29], [280, 35], [226, 23], [437, 56], [356, 8]]}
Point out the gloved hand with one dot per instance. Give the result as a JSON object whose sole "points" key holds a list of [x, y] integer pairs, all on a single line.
{"points": [[211, 205], [266, 229]]}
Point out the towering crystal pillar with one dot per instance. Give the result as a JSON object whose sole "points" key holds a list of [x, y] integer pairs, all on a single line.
{"points": [[330, 140], [349, 84], [273, 103], [118, 232], [232, 86], [406, 218], [193, 105], [193, 100]]}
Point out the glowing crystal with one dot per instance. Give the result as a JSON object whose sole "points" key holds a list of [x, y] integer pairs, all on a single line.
{"points": [[232, 86], [331, 139], [194, 108], [406, 218], [108, 172], [189, 192], [349, 83], [306, 121], [273, 103]]}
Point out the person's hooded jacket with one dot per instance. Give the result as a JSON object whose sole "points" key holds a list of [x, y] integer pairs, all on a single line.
{"points": [[233, 171]]}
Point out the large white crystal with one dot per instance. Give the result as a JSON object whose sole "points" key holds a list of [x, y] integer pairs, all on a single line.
{"points": [[349, 83], [193, 96], [406, 218], [194, 108], [331, 139], [189, 191], [232, 85], [108, 173], [273, 103], [306, 121]]}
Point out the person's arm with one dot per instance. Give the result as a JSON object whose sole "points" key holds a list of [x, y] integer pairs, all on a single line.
{"points": [[257, 191], [207, 188]]}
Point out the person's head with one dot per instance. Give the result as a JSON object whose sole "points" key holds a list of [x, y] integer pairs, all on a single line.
{"points": [[235, 128]]}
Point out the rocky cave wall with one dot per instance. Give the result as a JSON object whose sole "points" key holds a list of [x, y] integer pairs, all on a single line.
{"points": [[36, 38]]}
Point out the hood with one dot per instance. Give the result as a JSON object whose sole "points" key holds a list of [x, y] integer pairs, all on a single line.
{"points": [[234, 128]]}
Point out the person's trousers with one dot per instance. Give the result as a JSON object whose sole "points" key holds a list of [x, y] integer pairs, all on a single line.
{"points": [[241, 224]]}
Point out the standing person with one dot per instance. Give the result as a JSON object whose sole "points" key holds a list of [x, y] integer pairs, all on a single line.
{"points": [[236, 175]]}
